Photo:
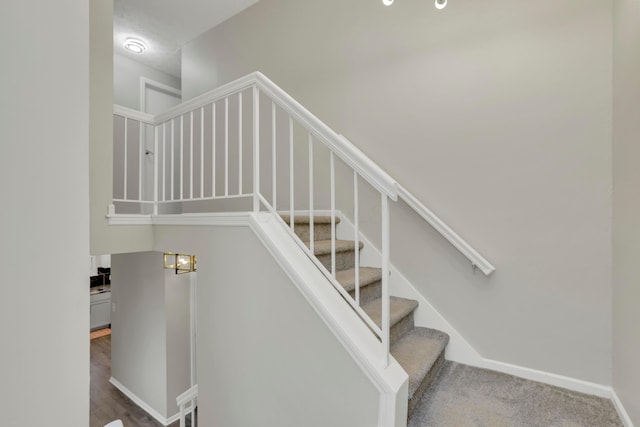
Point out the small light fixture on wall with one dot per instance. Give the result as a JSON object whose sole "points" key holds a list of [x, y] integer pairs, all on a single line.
{"points": [[440, 4], [134, 45], [181, 263]]}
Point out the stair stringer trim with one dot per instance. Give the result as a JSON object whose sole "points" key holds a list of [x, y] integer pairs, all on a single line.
{"points": [[392, 382]]}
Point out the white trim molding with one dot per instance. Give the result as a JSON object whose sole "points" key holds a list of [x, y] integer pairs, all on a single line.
{"points": [[130, 113], [220, 219], [622, 413], [228, 219], [144, 405], [146, 82], [337, 144], [562, 381], [124, 219], [391, 381]]}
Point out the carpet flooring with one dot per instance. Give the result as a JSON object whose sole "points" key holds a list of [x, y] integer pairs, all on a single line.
{"points": [[464, 396]]}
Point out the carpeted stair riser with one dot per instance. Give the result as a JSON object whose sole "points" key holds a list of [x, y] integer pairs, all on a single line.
{"points": [[344, 259], [370, 280], [402, 327], [321, 227], [368, 292], [400, 316], [426, 383]]}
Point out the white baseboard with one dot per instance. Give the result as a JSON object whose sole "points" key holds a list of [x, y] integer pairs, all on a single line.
{"points": [[459, 350], [548, 378], [622, 413], [562, 381], [144, 405]]}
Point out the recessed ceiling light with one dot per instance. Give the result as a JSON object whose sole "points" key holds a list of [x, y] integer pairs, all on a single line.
{"points": [[135, 45]]}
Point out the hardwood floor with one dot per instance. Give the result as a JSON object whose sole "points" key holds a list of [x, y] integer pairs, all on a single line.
{"points": [[107, 402]]}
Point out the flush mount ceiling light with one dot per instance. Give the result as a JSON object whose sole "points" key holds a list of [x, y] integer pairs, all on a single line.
{"points": [[135, 45], [440, 4]]}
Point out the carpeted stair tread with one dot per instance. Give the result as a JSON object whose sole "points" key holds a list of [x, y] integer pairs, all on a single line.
{"points": [[368, 275], [417, 351], [399, 309], [304, 219], [323, 247]]}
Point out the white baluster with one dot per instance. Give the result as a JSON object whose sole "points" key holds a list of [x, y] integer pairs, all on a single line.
{"points": [[273, 154], [356, 220], [240, 143], [226, 146], [140, 157], [182, 157], [256, 148], [311, 225], [291, 178], [156, 171], [164, 161], [333, 214], [126, 148], [191, 171], [202, 152], [385, 277], [173, 155], [213, 150]]}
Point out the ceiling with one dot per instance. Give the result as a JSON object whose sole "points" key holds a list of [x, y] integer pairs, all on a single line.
{"points": [[166, 25]]}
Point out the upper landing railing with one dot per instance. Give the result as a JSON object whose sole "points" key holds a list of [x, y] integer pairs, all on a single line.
{"points": [[251, 140]]}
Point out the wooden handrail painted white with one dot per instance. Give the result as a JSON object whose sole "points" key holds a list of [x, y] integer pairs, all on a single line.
{"points": [[458, 242], [187, 396], [130, 113], [341, 146]]}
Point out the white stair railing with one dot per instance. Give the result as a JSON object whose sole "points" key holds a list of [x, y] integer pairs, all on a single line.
{"points": [[214, 148], [188, 402]]}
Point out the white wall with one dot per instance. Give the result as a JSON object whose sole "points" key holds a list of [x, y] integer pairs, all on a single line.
{"points": [[139, 338], [126, 80], [150, 347], [178, 315], [260, 343], [497, 115], [626, 206], [44, 127], [105, 239]]}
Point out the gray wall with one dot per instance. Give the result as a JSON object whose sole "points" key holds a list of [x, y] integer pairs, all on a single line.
{"points": [[260, 343], [178, 315], [126, 80], [44, 220], [139, 338], [497, 115], [626, 206], [150, 347], [105, 239]]}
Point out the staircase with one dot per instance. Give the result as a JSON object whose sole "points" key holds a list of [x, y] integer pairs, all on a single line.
{"points": [[191, 162], [420, 351]]}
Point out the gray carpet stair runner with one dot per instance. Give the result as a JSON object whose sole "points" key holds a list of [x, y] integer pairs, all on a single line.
{"points": [[420, 351]]}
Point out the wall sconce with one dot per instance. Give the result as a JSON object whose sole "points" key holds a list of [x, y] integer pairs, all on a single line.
{"points": [[181, 263]]}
